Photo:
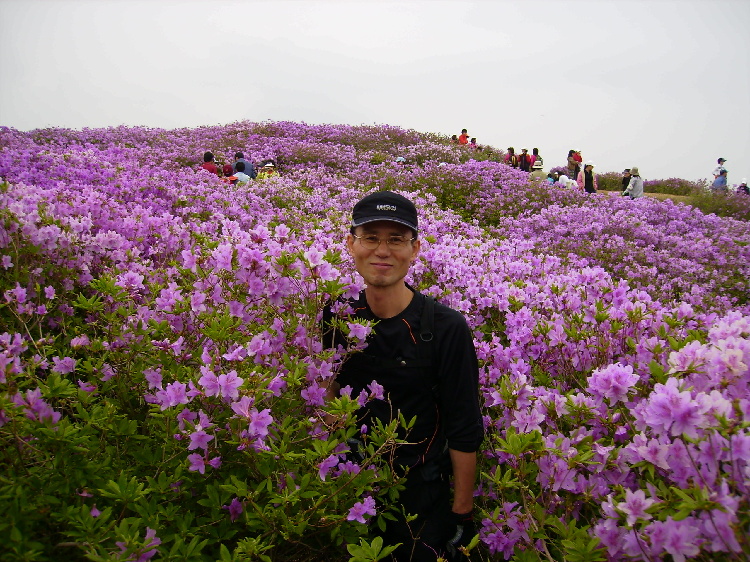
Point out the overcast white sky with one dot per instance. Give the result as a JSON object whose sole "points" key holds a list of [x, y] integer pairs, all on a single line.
{"points": [[661, 84]]}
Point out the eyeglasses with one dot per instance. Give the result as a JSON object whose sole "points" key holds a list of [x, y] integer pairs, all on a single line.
{"points": [[372, 242]]}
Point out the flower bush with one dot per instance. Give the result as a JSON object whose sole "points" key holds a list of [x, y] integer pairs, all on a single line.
{"points": [[162, 373]]}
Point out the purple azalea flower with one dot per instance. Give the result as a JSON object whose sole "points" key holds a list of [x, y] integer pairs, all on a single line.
{"points": [[326, 465], [199, 440], [259, 422], [197, 464], [63, 365], [235, 509], [361, 509], [635, 506]]}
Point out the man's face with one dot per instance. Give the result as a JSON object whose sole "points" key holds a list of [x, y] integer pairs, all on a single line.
{"points": [[384, 266]]}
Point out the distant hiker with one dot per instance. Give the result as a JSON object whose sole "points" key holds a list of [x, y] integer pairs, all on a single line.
{"points": [[249, 168], [635, 185], [473, 143], [524, 160], [587, 178], [208, 163], [572, 164], [719, 168], [454, 139], [552, 177], [625, 179], [742, 188], [464, 137], [537, 163], [511, 159], [720, 183]]}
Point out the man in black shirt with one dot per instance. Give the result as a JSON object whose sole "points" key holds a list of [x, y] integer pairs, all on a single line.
{"points": [[422, 353]]}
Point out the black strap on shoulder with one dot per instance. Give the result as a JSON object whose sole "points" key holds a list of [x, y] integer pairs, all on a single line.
{"points": [[427, 324]]}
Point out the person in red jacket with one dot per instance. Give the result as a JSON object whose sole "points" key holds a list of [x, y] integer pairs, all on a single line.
{"points": [[208, 163], [524, 160], [464, 138]]}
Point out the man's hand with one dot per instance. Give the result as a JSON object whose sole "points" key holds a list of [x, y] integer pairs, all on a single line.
{"points": [[464, 529]]}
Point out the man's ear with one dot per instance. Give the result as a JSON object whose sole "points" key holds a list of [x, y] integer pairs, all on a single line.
{"points": [[350, 243]]}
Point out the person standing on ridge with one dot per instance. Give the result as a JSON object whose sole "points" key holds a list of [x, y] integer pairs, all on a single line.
{"points": [[524, 160], [572, 164], [422, 354], [511, 159], [464, 137], [537, 163], [587, 178], [719, 168], [720, 183]]}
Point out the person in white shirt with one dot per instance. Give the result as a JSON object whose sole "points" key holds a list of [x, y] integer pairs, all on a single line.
{"points": [[240, 174], [718, 169]]}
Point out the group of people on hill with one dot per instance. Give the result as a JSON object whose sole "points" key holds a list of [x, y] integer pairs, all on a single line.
{"points": [[239, 172], [720, 180], [463, 139], [585, 180], [524, 161]]}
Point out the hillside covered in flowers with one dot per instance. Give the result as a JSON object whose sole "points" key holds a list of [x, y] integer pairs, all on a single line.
{"points": [[161, 361]]}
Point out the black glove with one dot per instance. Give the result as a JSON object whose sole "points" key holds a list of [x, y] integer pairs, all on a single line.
{"points": [[464, 530]]}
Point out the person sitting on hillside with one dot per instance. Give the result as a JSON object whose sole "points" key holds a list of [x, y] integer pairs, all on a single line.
{"points": [[454, 139], [625, 178], [228, 173], [635, 185], [249, 168], [552, 177], [473, 143], [267, 169], [742, 188], [240, 174], [208, 163], [464, 137]]}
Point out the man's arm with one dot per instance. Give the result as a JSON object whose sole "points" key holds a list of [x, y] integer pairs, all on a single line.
{"points": [[464, 478]]}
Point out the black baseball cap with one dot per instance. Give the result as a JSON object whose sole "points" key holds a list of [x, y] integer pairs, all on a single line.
{"points": [[385, 206]]}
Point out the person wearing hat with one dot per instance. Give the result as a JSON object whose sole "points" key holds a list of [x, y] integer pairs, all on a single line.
{"points": [[743, 188], [587, 178], [720, 183], [422, 354], [635, 185], [719, 168], [267, 169]]}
